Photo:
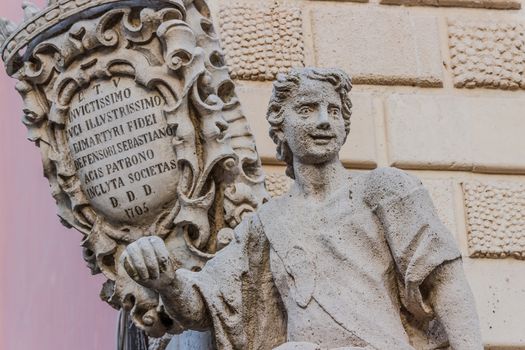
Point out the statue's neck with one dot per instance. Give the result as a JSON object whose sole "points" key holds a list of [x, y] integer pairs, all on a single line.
{"points": [[319, 180]]}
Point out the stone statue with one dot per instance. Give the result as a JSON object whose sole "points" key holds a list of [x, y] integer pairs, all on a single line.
{"points": [[342, 260]]}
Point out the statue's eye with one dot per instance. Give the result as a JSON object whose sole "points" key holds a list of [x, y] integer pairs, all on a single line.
{"points": [[334, 111], [305, 110]]}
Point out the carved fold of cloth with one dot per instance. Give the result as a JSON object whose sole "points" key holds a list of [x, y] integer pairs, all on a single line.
{"points": [[344, 272]]}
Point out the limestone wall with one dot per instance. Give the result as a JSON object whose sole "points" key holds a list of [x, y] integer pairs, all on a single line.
{"points": [[439, 91]]}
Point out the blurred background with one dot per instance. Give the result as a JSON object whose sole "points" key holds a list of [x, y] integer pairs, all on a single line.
{"points": [[48, 298]]}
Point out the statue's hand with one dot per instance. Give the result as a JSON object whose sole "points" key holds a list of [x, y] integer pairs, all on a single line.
{"points": [[148, 262]]}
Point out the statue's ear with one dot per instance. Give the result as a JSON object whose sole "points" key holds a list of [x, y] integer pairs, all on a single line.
{"points": [[275, 117], [275, 114]]}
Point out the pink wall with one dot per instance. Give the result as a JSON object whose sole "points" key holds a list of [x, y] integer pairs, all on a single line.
{"points": [[48, 299]]}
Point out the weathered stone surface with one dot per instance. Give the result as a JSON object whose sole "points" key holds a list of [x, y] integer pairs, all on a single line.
{"points": [[296, 294], [277, 184], [499, 288], [359, 39], [360, 149], [455, 133], [500, 291], [427, 132], [261, 40], [442, 193], [117, 172], [487, 54], [495, 215], [141, 134], [488, 4]]}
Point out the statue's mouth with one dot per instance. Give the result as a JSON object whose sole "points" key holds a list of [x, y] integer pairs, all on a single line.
{"points": [[322, 138]]}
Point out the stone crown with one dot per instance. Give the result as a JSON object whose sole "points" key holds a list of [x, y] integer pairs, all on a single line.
{"points": [[15, 40]]}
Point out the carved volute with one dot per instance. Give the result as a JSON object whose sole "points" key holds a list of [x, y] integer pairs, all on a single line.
{"points": [[140, 130]]}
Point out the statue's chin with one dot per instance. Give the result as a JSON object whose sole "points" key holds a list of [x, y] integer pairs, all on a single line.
{"points": [[319, 152], [314, 158]]}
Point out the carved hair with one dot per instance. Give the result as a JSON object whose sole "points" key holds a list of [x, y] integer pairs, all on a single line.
{"points": [[285, 87]]}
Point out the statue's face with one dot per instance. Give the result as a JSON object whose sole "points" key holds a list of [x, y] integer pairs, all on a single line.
{"points": [[313, 124]]}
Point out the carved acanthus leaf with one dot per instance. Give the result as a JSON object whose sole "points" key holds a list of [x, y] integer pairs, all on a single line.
{"points": [[166, 53]]}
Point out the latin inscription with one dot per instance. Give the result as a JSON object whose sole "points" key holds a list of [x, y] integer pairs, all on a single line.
{"points": [[122, 149]]}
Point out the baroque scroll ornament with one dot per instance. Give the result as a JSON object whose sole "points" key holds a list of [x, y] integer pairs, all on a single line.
{"points": [[140, 130]]}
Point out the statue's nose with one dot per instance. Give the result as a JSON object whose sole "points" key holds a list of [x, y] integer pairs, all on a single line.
{"points": [[322, 120]]}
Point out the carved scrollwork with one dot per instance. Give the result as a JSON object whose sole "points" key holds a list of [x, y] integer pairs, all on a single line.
{"points": [[137, 90]]}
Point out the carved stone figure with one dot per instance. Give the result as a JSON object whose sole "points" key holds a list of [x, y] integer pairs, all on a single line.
{"points": [[140, 130], [342, 260]]}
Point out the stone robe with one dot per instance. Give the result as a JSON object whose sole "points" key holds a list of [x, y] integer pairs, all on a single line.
{"points": [[344, 272]]}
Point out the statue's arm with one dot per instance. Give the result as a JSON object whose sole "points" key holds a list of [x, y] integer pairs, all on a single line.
{"points": [[148, 262], [188, 296], [426, 255], [182, 299], [453, 303]]}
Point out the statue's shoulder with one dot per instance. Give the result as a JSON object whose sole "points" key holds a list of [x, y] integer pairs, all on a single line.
{"points": [[273, 205], [276, 211], [386, 183], [250, 230]]}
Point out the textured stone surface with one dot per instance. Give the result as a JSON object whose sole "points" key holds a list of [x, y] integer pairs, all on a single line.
{"points": [[501, 283], [360, 40], [277, 184], [499, 289], [261, 40], [360, 149], [107, 99], [495, 219], [417, 127], [37, 21], [455, 133], [487, 54], [442, 193], [101, 140], [297, 295], [489, 4]]}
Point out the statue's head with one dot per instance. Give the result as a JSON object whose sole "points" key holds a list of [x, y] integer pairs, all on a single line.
{"points": [[309, 114]]}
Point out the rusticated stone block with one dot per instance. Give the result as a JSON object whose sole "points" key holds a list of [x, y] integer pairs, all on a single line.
{"points": [[360, 149], [260, 41], [427, 132], [488, 54], [499, 288], [495, 219], [277, 184], [442, 194], [378, 46], [488, 4], [444, 132]]}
